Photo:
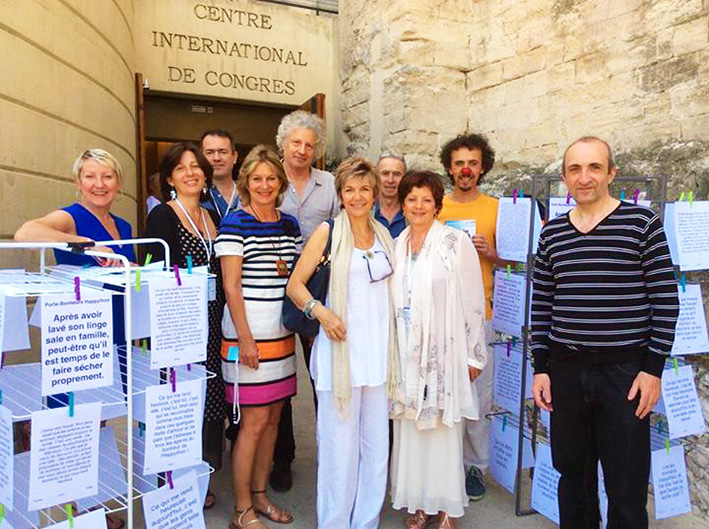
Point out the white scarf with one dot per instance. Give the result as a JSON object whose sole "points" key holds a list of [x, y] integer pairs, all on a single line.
{"points": [[340, 255], [435, 388]]}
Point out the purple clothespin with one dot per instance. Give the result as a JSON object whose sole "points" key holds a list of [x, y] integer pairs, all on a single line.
{"points": [[509, 347], [77, 288], [189, 367], [173, 380], [514, 196], [636, 195], [568, 198], [169, 479], [177, 275]]}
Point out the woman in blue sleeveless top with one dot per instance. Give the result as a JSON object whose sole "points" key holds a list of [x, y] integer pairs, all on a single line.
{"points": [[98, 176]]}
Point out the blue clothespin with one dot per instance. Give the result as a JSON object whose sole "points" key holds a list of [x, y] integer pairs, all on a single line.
{"points": [[71, 404], [683, 282], [622, 194], [189, 264], [521, 193], [141, 428], [504, 422], [659, 425], [0, 397]]}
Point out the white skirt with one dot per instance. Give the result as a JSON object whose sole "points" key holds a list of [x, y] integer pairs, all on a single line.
{"points": [[427, 469]]}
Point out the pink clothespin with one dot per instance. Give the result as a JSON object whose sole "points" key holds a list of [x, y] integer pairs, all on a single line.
{"points": [[77, 288], [177, 275]]}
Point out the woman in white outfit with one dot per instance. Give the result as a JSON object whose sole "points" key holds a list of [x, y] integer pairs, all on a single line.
{"points": [[440, 311], [349, 363]]}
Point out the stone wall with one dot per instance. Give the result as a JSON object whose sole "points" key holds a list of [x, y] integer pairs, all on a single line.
{"points": [[66, 85], [534, 75]]}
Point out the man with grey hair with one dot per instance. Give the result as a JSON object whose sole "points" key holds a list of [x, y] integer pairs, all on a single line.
{"points": [[387, 210], [311, 198], [604, 311]]}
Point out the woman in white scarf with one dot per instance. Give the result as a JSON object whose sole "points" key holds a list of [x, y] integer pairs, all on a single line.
{"points": [[351, 362], [440, 311]]}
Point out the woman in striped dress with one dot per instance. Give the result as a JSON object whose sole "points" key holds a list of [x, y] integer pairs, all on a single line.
{"points": [[257, 245]]}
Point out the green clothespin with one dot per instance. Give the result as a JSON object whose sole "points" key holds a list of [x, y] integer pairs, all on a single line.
{"points": [[681, 196], [690, 197], [674, 360], [137, 280], [509, 271], [69, 510], [2, 513], [144, 347], [518, 267], [667, 446], [148, 258]]}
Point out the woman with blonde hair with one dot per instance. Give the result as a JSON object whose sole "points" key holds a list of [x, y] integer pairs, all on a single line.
{"points": [[256, 245], [351, 362]]}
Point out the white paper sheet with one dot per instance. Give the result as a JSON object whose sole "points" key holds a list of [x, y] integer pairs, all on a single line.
{"points": [[16, 335], [21, 516], [77, 342], [509, 303], [545, 485], [684, 413], [504, 440], [691, 331], [7, 458], [91, 520], [176, 508], [507, 381], [669, 483], [512, 236], [173, 429], [668, 223], [178, 321], [692, 231], [558, 206], [468, 226], [64, 455]]}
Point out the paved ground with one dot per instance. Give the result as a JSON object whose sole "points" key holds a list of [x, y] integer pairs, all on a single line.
{"points": [[495, 511]]}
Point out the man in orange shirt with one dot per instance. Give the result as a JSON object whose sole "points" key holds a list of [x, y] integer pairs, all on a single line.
{"points": [[467, 159]]}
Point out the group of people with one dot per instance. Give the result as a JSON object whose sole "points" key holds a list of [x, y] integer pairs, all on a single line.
{"points": [[399, 366]]}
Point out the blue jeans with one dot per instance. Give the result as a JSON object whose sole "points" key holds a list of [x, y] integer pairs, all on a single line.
{"points": [[592, 420]]}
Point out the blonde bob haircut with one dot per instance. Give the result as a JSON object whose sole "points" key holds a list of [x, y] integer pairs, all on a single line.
{"points": [[102, 157], [356, 167], [258, 155]]}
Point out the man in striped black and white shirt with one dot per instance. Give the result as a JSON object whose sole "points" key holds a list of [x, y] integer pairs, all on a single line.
{"points": [[604, 311]]}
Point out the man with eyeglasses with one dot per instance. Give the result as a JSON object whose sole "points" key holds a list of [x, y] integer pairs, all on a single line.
{"points": [[387, 210], [218, 148]]}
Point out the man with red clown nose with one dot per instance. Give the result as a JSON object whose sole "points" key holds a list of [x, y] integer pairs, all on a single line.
{"points": [[467, 159]]}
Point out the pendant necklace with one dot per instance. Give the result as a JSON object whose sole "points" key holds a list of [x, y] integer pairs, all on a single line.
{"points": [[281, 264]]}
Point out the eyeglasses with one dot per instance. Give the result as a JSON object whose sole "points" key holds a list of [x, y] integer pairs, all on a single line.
{"points": [[379, 269]]}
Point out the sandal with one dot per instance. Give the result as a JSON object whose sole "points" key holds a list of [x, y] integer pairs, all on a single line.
{"points": [[420, 520], [272, 511], [240, 519], [209, 500], [447, 522]]}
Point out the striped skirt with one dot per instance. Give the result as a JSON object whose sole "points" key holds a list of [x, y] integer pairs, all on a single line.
{"points": [[274, 380]]}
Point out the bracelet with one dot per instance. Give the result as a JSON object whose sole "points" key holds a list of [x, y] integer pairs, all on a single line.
{"points": [[308, 308]]}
